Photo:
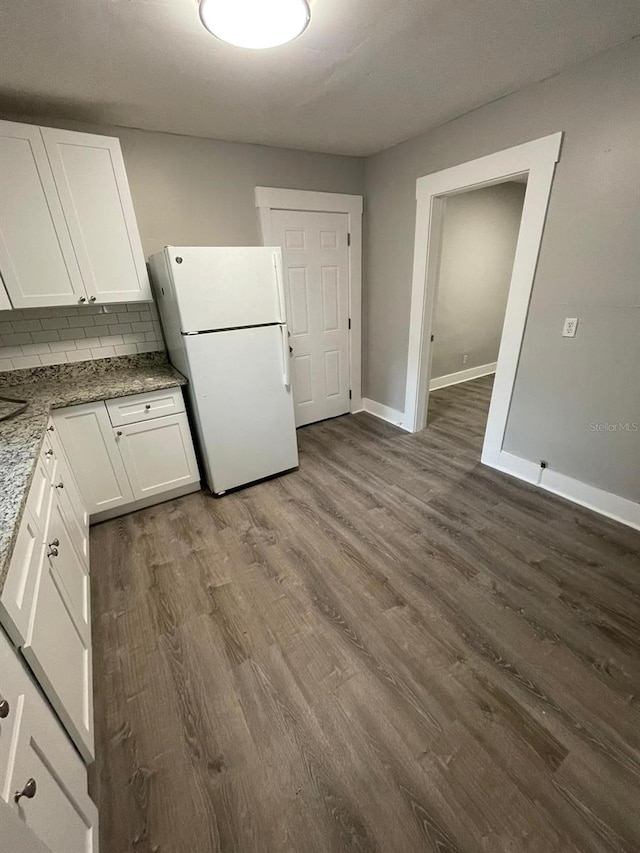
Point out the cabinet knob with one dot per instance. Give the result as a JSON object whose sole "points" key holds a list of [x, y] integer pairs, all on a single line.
{"points": [[54, 544], [4, 709], [82, 299], [147, 406], [53, 552], [29, 791], [119, 432], [49, 453], [92, 299], [60, 485], [51, 428]]}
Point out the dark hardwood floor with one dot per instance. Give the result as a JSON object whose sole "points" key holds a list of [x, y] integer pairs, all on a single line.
{"points": [[393, 649]]}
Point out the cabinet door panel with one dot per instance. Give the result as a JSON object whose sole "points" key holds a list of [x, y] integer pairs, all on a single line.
{"points": [[60, 656], [37, 260], [158, 455], [87, 436], [18, 593], [69, 571], [61, 812], [88, 168]]}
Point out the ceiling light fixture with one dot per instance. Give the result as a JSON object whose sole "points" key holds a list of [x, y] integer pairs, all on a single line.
{"points": [[255, 24]]}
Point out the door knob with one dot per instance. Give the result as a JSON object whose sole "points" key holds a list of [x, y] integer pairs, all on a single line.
{"points": [[4, 709], [29, 791]]}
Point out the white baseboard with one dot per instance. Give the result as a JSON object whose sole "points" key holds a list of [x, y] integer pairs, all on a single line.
{"points": [[385, 413], [462, 376], [605, 503]]}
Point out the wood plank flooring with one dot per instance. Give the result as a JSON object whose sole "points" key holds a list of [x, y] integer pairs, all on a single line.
{"points": [[393, 649]]}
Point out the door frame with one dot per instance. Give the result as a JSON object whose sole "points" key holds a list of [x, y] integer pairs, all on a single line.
{"points": [[269, 199], [538, 159]]}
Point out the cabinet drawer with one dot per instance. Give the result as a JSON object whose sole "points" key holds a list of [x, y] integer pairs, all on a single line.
{"points": [[141, 407], [17, 601], [60, 812]]}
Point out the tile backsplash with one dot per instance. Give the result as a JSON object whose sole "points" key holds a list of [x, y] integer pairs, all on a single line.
{"points": [[31, 337]]}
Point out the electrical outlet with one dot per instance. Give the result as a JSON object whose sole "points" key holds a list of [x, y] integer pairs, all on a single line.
{"points": [[570, 327]]}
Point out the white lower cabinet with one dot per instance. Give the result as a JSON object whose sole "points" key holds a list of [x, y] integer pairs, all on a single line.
{"points": [[37, 758], [129, 452], [158, 455], [87, 437]]}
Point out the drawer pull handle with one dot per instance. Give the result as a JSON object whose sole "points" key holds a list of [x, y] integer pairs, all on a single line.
{"points": [[60, 485], [48, 453], [53, 552], [4, 709], [29, 791], [147, 406]]}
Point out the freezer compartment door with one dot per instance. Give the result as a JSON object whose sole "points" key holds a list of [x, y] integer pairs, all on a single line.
{"points": [[220, 288], [243, 408]]}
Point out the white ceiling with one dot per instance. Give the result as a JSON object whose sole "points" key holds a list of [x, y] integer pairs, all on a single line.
{"points": [[365, 75]]}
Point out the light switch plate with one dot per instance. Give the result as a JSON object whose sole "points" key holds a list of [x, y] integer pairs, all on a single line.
{"points": [[569, 328]]}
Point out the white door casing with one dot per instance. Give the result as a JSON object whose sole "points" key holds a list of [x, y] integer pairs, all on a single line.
{"points": [[315, 261], [270, 201], [537, 158]]}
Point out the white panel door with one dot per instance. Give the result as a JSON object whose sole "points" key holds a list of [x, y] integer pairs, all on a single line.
{"points": [[90, 445], [92, 184], [37, 260], [227, 288], [158, 455], [60, 811], [243, 404], [316, 274]]}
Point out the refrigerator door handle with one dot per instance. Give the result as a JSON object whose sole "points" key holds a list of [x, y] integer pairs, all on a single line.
{"points": [[280, 285], [286, 364]]}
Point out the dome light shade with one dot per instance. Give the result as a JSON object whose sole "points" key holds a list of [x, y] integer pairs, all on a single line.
{"points": [[255, 24]]}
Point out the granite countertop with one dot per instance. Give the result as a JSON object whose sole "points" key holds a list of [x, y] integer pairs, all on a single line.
{"points": [[46, 388]]}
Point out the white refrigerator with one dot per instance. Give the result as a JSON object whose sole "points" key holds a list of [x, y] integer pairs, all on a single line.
{"points": [[224, 320]]}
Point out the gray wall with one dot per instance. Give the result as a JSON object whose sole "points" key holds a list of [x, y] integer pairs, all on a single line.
{"points": [[200, 192], [589, 266], [478, 247]]}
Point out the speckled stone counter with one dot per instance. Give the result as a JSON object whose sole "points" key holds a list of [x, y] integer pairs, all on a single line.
{"points": [[46, 388]]}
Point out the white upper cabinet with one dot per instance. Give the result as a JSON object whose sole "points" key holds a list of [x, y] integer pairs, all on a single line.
{"points": [[37, 261], [92, 184], [68, 231]]}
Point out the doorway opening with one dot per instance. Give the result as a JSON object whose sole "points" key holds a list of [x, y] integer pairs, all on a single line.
{"points": [[536, 160], [479, 236]]}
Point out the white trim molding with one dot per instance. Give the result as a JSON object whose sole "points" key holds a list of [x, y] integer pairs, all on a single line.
{"points": [[604, 503], [462, 376], [385, 413], [537, 159], [269, 199]]}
